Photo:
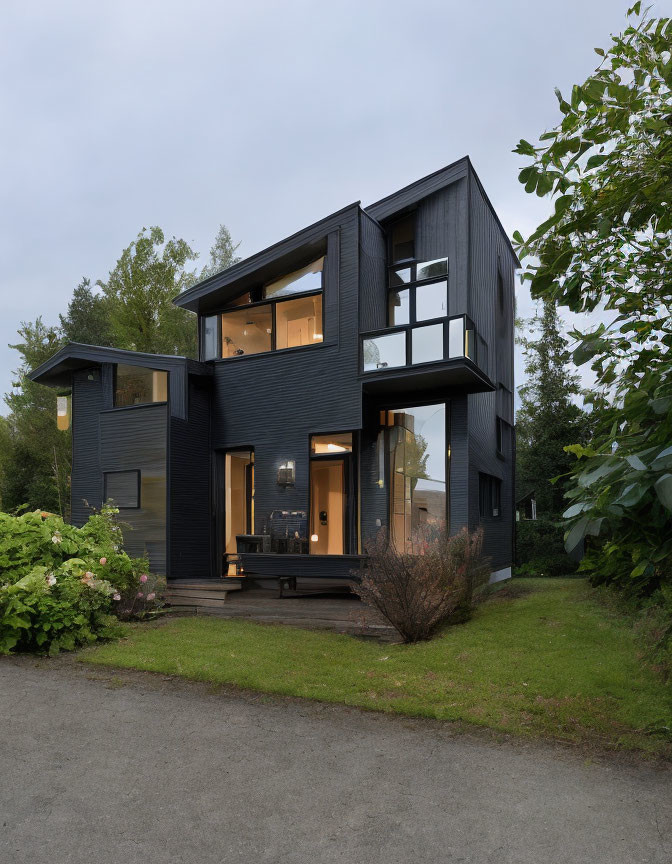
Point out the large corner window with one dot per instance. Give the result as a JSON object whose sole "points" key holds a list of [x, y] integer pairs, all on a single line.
{"points": [[285, 313], [417, 464], [138, 385]]}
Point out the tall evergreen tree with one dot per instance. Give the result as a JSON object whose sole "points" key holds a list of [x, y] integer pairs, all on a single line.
{"points": [[88, 318], [548, 419], [222, 253]]}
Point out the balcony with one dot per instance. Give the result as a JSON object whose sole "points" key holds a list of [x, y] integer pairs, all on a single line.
{"points": [[445, 353]]}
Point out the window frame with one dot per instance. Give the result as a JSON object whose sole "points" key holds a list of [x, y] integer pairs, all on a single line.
{"points": [[411, 286], [411, 216], [272, 302], [135, 471], [115, 374], [489, 487]]}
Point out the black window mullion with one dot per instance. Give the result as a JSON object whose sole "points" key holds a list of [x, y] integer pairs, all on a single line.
{"points": [[273, 328], [409, 346]]}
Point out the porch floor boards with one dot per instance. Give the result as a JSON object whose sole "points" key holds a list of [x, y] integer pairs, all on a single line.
{"points": [[339, 613]]}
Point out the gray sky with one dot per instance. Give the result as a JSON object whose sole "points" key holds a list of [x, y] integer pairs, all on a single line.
{"points": [[265, 116]]}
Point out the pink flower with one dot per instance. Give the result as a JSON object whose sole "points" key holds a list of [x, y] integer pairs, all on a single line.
{"points": [[116, 596], [143, 578], [139, 594], [103, 561], [151, 596]]}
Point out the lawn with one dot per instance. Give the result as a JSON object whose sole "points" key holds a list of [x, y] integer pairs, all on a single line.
{"points": [[539, 658]]}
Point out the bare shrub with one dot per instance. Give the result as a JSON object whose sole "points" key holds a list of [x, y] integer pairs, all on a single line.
{"points": [[417, 592]]}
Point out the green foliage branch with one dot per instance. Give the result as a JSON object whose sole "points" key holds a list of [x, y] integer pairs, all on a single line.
{"points": [[606, 248]]}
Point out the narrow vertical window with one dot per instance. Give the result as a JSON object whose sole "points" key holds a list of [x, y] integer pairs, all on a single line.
{"points": [[210, 337]]}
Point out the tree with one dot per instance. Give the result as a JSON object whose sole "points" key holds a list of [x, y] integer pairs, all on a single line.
{"points": [[548, 418], [140, 290], [607, 246], [222, 253], [37, 463], [88, 318]]}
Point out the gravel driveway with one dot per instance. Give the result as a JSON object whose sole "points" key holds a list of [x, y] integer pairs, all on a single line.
{"points": [[97, 768]]}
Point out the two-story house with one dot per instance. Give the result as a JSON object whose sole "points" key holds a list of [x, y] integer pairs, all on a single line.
{"points": [[354, 376]]}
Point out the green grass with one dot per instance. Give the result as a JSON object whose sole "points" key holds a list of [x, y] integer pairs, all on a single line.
{"points": [[540, 658]]}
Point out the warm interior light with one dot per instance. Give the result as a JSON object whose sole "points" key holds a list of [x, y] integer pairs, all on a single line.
{"points": [[317, 336], [336, 448], [314, 538]]}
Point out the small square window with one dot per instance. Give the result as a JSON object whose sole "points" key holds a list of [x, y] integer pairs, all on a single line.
{"points": [[123, 488]]}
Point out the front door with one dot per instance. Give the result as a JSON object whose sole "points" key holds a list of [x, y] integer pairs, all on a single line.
{"points": [[327, 506]]}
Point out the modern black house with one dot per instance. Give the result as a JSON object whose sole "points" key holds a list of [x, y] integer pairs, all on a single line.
{"points": [[356, 375]]}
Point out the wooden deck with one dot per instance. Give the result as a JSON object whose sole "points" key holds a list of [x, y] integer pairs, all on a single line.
{"points": [[340, 613]]}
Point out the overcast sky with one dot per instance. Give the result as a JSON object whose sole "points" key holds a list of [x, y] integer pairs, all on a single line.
{"points": [[264, 116]]}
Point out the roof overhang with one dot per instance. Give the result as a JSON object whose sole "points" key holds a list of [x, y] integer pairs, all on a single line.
{"points": [[57, 371], [289, 254]]}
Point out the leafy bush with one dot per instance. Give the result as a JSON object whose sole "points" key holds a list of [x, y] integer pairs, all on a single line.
{"points": [[540, 549], [61, 586], [418, 592]]}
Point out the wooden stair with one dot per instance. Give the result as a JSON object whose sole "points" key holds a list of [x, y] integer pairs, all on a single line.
{"points": [[207, 596]]}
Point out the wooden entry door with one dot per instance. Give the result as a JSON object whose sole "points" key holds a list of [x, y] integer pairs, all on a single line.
{"points": [[327, 506]]}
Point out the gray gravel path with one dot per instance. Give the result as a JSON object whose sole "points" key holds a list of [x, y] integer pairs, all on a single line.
{"points": [[100, 769]]}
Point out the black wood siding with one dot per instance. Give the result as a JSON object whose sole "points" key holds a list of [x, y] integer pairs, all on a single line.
{"points": [[490, 254], [137, 439], [86, 488], [189, 490], [273, 402], [372, 275]]}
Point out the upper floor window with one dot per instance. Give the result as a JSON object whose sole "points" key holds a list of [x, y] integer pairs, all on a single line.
{"points": [[418, 292], [284, 313], [299, 282], [138, 385], [402, 239]]}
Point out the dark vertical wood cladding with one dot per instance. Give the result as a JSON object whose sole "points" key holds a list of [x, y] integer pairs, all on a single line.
{"points": [[189, 493], [441, 231], [86, 488], [137, 439], [372, 275], [273, 402], [491, 259]]}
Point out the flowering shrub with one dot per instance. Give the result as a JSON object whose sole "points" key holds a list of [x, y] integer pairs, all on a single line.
{"points": [[62, 586], [418, 592]]}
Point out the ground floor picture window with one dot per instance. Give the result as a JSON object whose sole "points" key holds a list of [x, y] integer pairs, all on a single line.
{"points": [[417, 451]]}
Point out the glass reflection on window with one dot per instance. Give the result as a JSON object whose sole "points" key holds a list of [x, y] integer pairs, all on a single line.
{"points": [[137, 385], [300, 281], [456, 337], [382, 352], [399, 308], [427, 343], [417, 453], [400, 276], [431, 301], [210, 347], [432, 269]]}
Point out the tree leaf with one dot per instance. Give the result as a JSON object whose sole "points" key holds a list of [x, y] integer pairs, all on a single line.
{"points": [[663, 487]]}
